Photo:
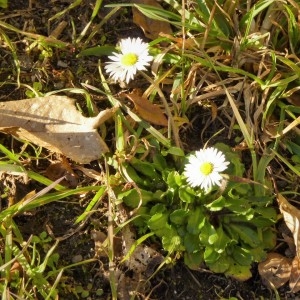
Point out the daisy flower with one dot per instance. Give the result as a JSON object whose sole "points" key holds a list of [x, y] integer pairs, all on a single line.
{"points": [[134, 57], [203, 169]]}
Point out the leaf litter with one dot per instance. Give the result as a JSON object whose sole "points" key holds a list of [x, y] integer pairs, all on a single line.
{"points": [[54, 122], [277, 269], [151, 28], [284, 263], [147, 110]]}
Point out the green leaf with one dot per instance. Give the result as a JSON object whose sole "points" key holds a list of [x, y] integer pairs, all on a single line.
{"points": [[239, 206], [254, 11], [258, 254], [3, 3], [269, 238], [191, 242], [179, 216], [131, 174], [208, 235], [186, 194], [132, 197], [172, 242], [193, 260], [239, 272], [97, 197], [174, 151], [219, 265], [240, 189], [211, 256], [158, 223], [196, 221], [97, 51], [174, 179], [217, 204], [155, 13], [222, 240], [158, 208], [247, 234], [159, 162], [260, 201], [145, 168], [242, 256], [263, 222], [140, 221], [293, 28]]}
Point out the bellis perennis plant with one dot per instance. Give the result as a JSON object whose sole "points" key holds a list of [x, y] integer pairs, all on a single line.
{"points": [[134, 56], [226, 229], [203, 169]]}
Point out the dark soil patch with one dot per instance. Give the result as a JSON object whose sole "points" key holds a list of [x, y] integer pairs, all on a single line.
{"points": [[57, 219]]}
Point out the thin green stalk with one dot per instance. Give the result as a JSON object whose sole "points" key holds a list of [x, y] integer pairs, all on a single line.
{"points": [[110, 234], [250, 143]]}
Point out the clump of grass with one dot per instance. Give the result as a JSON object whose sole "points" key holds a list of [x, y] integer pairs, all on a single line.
{"points": [[231, 52]]}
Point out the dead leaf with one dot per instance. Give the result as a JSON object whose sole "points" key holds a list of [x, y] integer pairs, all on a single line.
{"points": [[147, 110], [137, 256], [291, 217], [99, 238], [16, 268], [152, 28], [275, 270], [291, 250], [294, 97], [62, 169], [295, 275], [54, 122], [180, 42]]}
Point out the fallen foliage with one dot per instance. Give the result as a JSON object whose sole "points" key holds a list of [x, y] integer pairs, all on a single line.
{"points": [[54, 122]]}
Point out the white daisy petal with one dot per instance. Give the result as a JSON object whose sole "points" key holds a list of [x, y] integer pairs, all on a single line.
{"points": [[134, 57], [204, 167]]}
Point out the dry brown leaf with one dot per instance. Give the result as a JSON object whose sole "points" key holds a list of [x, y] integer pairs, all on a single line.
{"points": [[214, 110], [275, 270], [291, 217], [295, 275], [54, 122], [141, 256], [99, 238], [291, 250], [152, 28], [188, 43], [62, 169], [294, 98], [147, 110]]}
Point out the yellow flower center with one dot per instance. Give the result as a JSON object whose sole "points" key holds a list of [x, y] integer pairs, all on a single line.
{"points": [[129, 59], [206, 168]]}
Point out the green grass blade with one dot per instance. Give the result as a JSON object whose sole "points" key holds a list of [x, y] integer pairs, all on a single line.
{"points": [[98, 196], [43, 200]]}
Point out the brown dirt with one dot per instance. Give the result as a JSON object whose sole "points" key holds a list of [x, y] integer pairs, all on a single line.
{"points": [[172, 282]]}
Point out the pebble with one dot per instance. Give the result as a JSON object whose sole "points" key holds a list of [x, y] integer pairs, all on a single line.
{"points": [[77, 258]]}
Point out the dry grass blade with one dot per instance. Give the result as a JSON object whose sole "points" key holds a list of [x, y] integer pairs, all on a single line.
{"points": [[291, 126]]}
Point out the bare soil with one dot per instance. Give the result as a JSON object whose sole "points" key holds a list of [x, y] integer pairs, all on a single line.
{"points": [[64, 69]]}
